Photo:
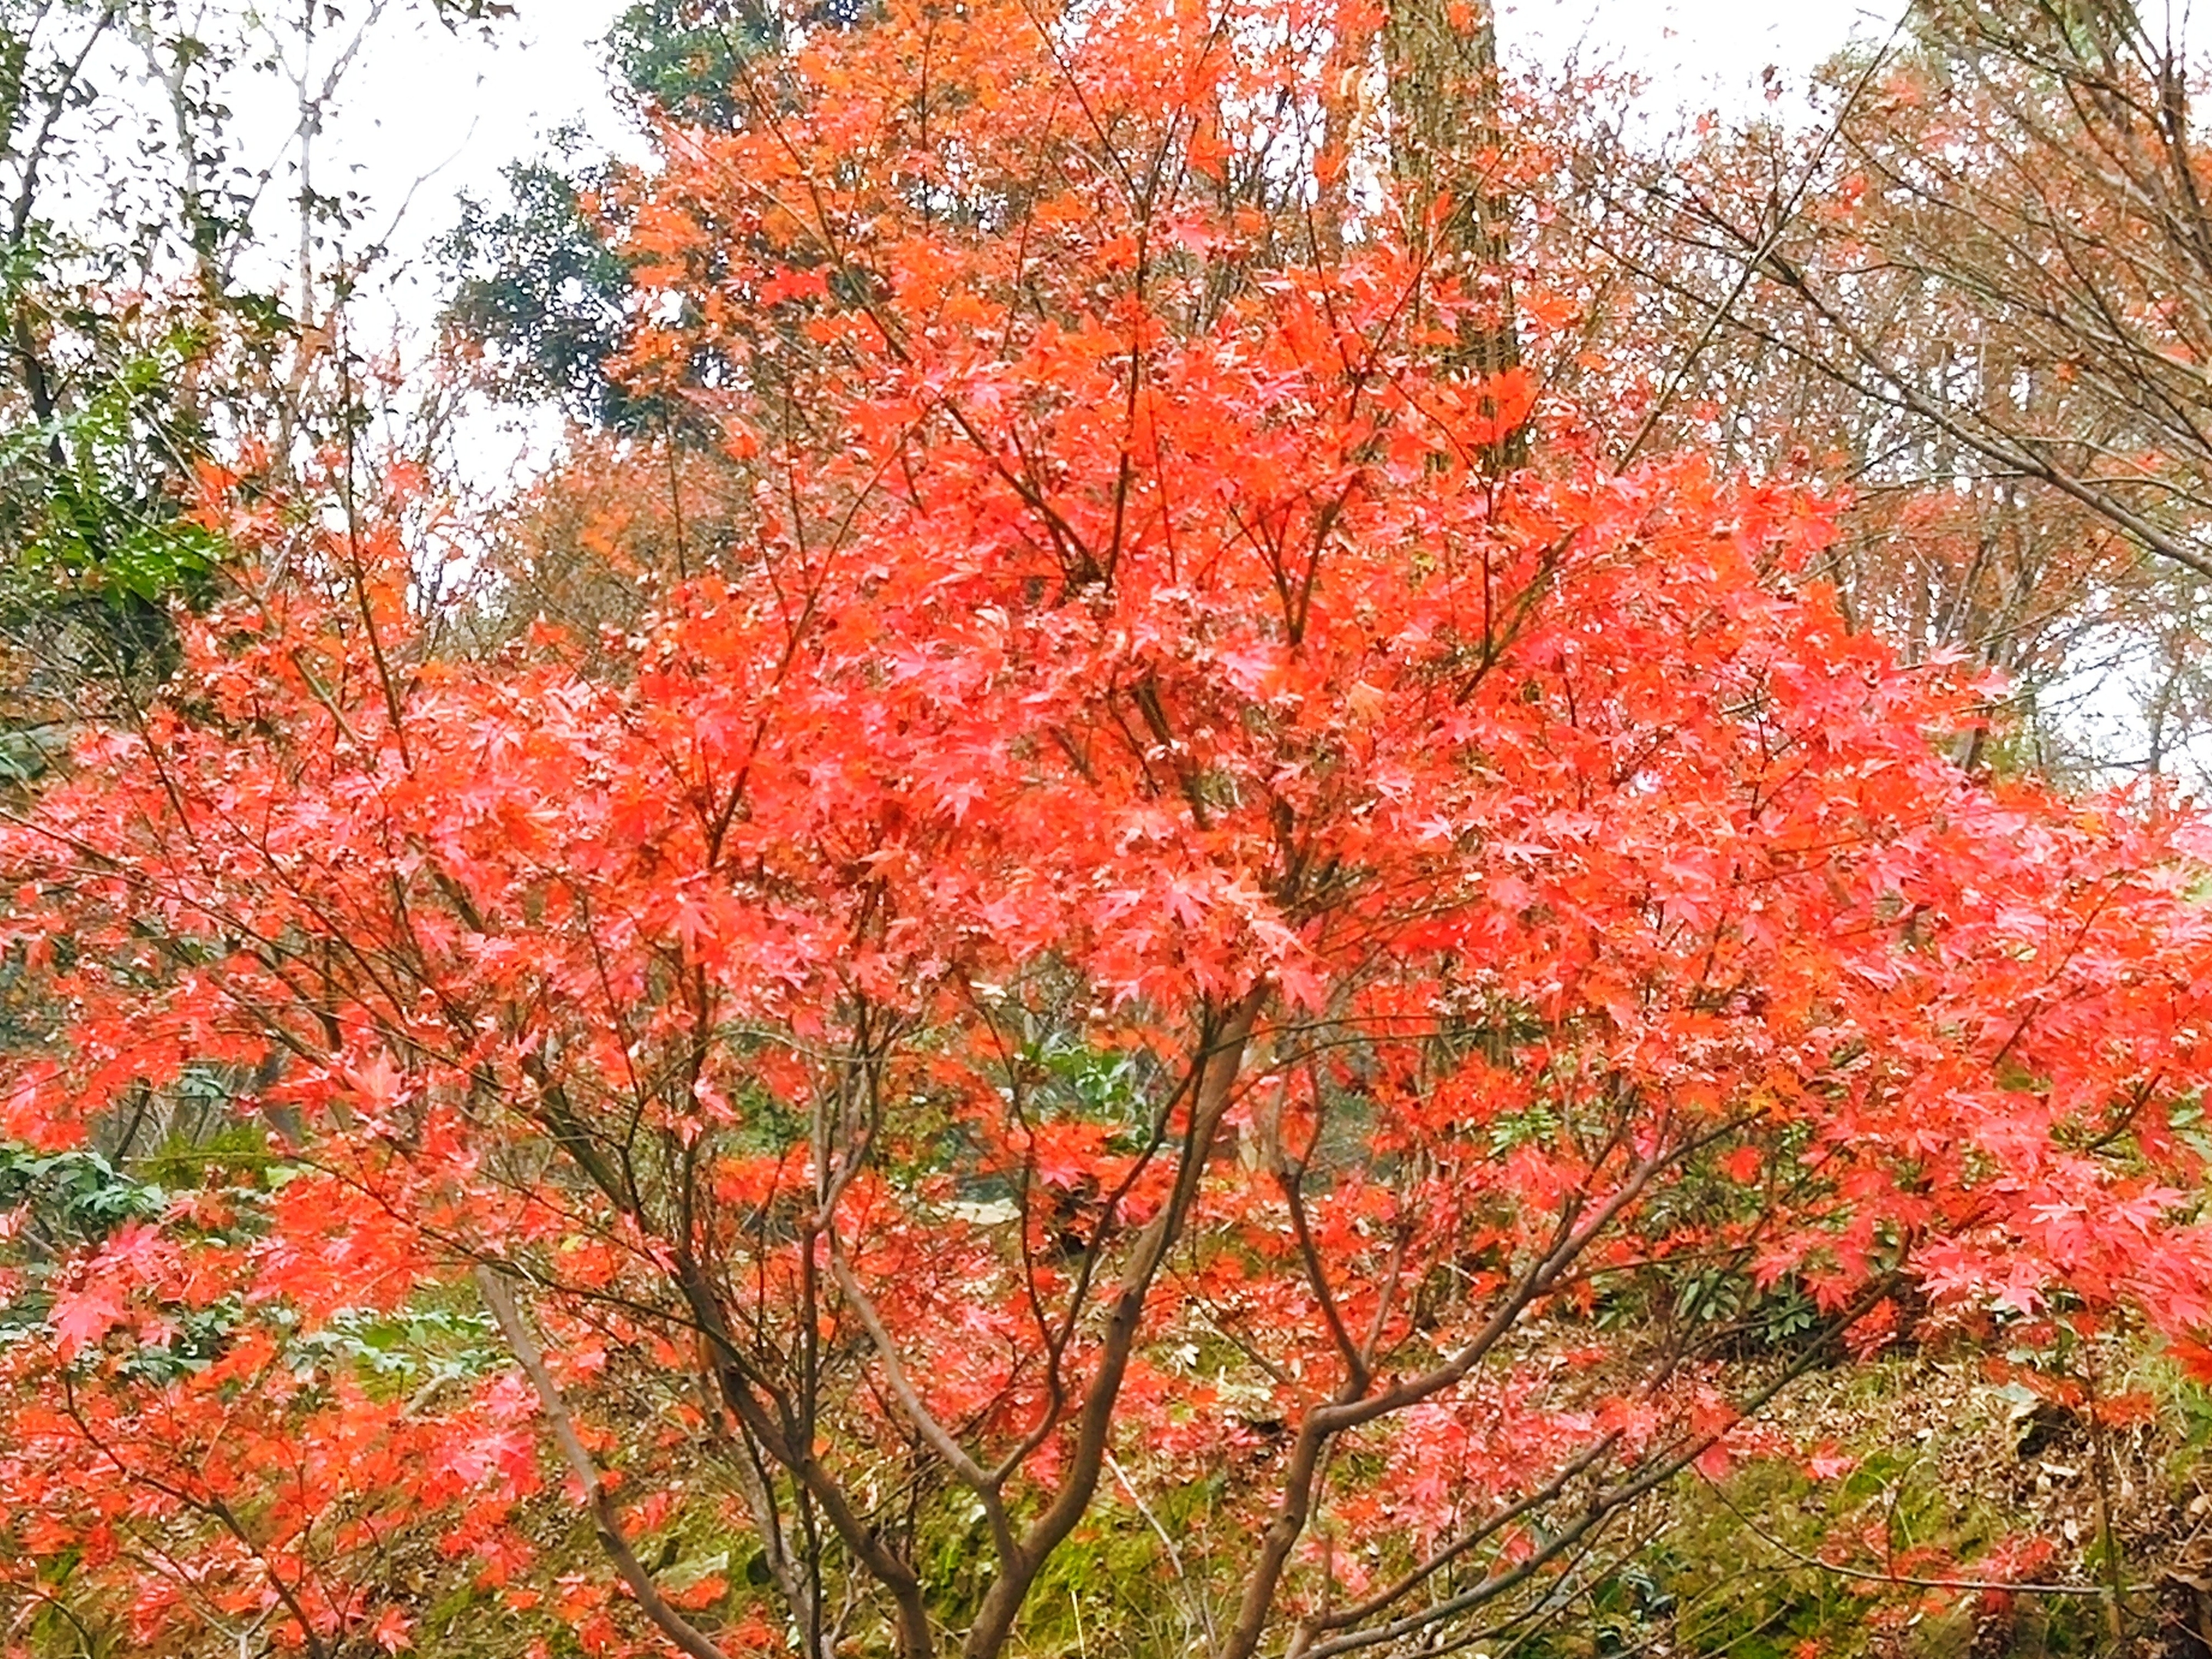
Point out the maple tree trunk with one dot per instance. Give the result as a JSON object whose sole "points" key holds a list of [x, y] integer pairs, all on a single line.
{"points": [[1218, 1064], [599, 1499]]}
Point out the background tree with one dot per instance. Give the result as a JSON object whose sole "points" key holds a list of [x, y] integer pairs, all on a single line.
{"points": [[544, 298], [543, 286], [540, 289], [170, 299], [1973, 289]]}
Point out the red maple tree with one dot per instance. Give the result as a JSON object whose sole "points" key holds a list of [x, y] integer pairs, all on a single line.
{"points": [[1164, 904]]}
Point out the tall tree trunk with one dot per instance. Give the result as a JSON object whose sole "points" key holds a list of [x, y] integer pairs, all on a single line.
{"points": [[1447, 145]]}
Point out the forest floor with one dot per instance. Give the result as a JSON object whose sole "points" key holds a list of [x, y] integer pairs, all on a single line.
{"points": [[1953, 1506], [1958, 1507]]}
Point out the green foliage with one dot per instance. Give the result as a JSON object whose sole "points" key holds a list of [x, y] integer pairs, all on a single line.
{"points": [[193, 1338], [74, 1197], [229, 1155], [689, 57], [1078, 1080], [540, 286], [61, 1202], [100, 515], [1118, 1590], [1718, 1300], [96, 466], [1703, 1585], [1725, 1295], [420, 1346]]}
